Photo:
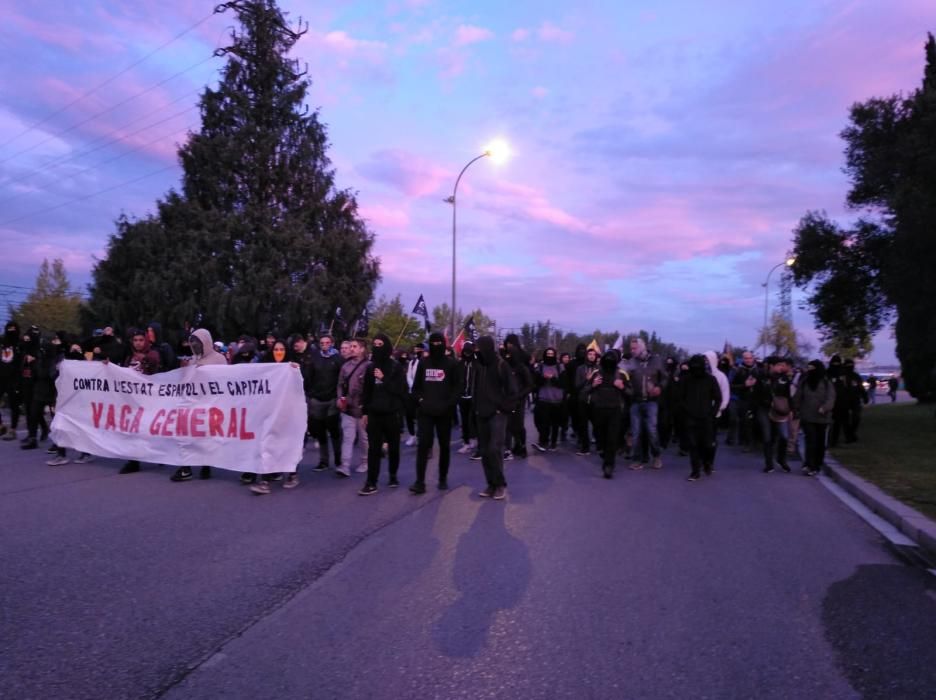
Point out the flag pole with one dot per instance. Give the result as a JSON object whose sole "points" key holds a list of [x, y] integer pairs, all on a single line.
{"points": [[405, 326]]}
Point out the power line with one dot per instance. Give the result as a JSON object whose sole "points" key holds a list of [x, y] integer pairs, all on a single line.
{"points": [[111, 79], [109, 109], [87, 196]]}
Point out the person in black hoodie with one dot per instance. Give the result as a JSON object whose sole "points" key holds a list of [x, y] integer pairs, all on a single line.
{"points": [[550, 395], [11, 361], [604, 393], [699, 400], [44, 372], [322, 400], [384, 389], [495, 396], [519, 363], [167, 356], [436, 388], [469, 429]]}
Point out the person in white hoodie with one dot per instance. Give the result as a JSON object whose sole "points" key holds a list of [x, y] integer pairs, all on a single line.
{"points": [[711, 359]]}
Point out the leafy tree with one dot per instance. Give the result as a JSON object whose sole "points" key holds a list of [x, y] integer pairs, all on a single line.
{"points": [[51, 304], [780, 338], [442, 317], [884, 266], [390, 317], [258, 237]]}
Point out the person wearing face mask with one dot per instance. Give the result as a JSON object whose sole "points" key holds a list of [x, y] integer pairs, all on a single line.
{"points": [[550, 394], [568, 379], [276, 353], [11, 360], [519, 363], [384, 389], [203, 353], [815, 401], [44, 373], [436, 388], [701, 399], [605, 397], [724, 389], [468, 426], [583, 377], [775, 396], [495, 394]]}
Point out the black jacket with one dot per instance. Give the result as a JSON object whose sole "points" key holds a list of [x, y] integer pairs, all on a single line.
{"points": [[495, 389], [386, 396], [699, 397], [437, 385]]}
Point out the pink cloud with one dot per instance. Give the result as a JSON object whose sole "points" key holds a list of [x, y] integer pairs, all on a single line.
{"points": [[469, 34], [412, 175], [551, 33], [381, 217]]}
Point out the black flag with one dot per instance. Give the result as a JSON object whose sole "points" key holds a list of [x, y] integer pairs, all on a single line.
{"points": [[471, 331], [362, 326], [421, 310]]}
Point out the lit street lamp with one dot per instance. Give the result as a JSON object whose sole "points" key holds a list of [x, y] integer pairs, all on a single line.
{"points": [[789, 262], [498, 152]]}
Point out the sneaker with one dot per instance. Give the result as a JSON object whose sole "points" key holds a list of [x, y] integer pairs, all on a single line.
{"points": [[292, 481], [131, 467], [320, 467], [368, 490], [769, 469], [247, 478], [657, 463], [204, 473], [785, 467], [410, 441], [553, 448], [393, 482], [475, 456], [261, 488], [636, 466], [418, 488], [29, 445], [442, 486], [58, 461], [342, 472], [500, 493], [10, 436], [487, 493], [464, 449], [508, 456], [583, 453], [694, 476], [275, 476], [84, 458], [182, 474], [52, 449], [607, 472], [538, 447], [361, 468]]}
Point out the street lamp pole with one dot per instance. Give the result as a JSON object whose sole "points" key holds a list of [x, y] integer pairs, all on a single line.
{"points": [[789, 262], [451, 200]]}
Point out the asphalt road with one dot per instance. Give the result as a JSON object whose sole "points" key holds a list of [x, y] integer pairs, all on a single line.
{"points": [[742, 585]]}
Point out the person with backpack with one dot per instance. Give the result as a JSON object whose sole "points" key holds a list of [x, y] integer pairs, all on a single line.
{"points": [[815, 402]]}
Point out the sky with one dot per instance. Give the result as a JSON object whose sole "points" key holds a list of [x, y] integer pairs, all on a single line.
{"points": [[661, 152]]}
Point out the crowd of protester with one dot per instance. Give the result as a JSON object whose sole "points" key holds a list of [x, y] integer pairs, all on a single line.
{"points": [[365, 398]]}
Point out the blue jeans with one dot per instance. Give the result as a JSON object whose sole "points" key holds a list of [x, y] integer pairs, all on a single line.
{"points": [[643, 415]]}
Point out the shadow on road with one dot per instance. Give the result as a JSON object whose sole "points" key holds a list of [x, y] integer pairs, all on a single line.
{"points": [[492, 571], [881, 621]]}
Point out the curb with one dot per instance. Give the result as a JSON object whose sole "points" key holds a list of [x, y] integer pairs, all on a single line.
{"points": [[910, 522]]}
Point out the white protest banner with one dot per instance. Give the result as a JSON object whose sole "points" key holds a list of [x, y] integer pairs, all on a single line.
{"points": [[249, 417]]}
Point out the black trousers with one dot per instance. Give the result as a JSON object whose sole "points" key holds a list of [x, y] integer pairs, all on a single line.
{"points": [[491, 434], [548, 419], [580, 417], [700, 433], [815, 438], [35, 417], [607, 422], [516, 429], [468, 423], [382, 428], [429, 427], [10, 388], [323, 429]]}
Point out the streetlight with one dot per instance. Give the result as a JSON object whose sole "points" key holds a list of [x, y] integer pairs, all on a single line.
{"points": [[789, 262], [498, 152]]}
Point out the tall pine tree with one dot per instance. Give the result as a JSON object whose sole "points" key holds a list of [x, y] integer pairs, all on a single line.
{"points": [[259, 237]]}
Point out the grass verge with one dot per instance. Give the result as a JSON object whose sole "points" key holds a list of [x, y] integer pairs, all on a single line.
{"points": [[897, 452]]}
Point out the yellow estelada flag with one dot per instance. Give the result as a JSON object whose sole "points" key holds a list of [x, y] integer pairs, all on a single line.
{"points": [[593, 345]]}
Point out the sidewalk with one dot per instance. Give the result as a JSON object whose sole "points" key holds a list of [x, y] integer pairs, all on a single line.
{"points": [[910, 522]]}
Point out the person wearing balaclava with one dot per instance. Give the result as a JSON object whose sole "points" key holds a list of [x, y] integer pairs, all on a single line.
{"points": [[203, 353], [494, 394], [723, 387], [11, 360], [45, 369], [855, 397], [576, 416], [700, 399], [815, 401], [519, 363], [384, 389], [550, 394], [436, 388], [465, 413], [604, 393], [583, 375]]}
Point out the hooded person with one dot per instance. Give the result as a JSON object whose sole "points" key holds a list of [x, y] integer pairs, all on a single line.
{"points": [[382, 402], [519, 362], [583, 375], [436, 387], [494, 394], [700, 400], [11, 360], [167, 356], [204, 353], [465, 414], [605, 398], [712, 359], [815, 402], [43, 373], [550, 394]]}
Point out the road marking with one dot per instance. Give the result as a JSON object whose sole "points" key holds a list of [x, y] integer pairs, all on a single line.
{"points": [[890, 533]]}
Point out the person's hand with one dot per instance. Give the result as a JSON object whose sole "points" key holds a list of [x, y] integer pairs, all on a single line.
{"points": [[822, 410], [378, 373], [295, 365], [619, 383], [29, 358], [749, 382], [597, 380], [654, 391], [364, 422]]}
